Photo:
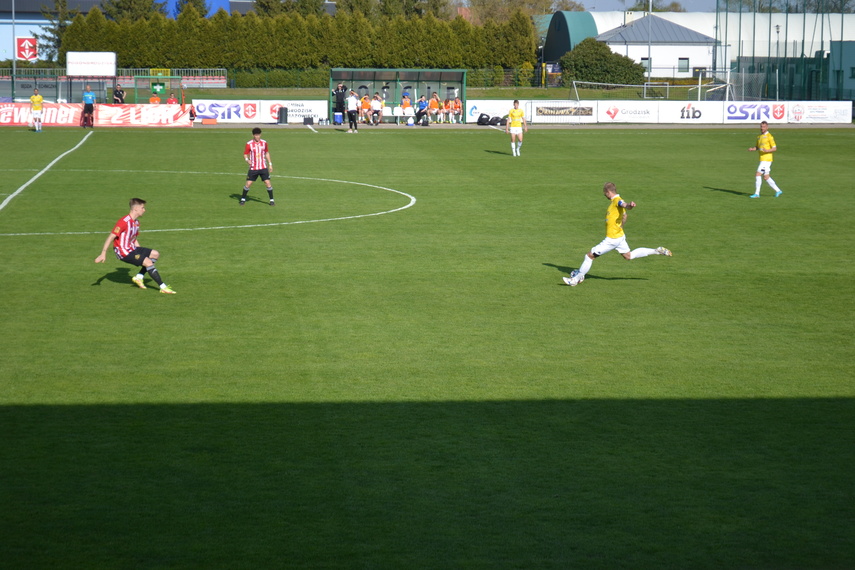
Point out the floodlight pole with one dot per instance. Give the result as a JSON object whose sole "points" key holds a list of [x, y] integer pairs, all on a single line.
{"points": [[14, 51], [649, 40]]}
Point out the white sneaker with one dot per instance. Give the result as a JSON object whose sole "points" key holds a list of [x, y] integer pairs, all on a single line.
{"points": [[663, 251]]}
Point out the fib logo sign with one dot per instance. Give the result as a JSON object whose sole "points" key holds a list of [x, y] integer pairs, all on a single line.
{"points": [[26, 49]]}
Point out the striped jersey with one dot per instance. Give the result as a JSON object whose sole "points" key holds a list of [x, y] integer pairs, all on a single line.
{"points": [[256, 149], [126, 231], [516, 117]]}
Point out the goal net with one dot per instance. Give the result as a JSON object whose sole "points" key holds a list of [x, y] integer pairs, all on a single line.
{"points": [[704, 90], [146, 86]]}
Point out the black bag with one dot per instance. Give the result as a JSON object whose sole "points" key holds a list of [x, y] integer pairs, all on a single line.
{"points": [[483, 119], [425, 121], [495, 121], [504, 121]]}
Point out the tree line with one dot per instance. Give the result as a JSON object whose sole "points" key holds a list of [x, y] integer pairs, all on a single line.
{"points": [[290, 40]]}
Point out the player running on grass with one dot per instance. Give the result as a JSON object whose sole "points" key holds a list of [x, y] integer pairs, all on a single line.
{"points": [[127, 248], [615, 237]]}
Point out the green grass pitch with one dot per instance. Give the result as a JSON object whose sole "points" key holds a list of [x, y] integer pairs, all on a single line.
{"points": [[417, 388]]}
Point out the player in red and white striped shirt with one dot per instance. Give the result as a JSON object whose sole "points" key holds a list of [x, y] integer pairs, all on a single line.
{"points": [[127, 248], [257, 156]]}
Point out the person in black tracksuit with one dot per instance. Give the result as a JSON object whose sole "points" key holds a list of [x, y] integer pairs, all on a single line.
{"points": [[339, 96]]}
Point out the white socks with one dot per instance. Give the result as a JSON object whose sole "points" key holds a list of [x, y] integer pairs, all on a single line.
{"points": [[759, 182], [586, 266], [774, 186], [515, 148], [642, 252]]}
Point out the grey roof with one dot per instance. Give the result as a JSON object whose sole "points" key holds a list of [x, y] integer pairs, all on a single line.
{"points": [[244, 6], [661, 32], [35, 6]]}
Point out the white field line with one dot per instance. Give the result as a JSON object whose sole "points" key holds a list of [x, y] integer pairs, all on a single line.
{"points": [[43, 170], [412, 201]]}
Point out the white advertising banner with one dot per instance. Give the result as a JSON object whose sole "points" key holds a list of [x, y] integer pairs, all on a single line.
{"points": [[819, 112], [255, 111], [691, 112], [740, 112], [238, 111], [628, 112], [494, 108], [91, 63], [297, 110]]}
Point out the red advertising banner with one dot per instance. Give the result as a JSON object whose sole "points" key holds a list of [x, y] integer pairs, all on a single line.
{"points": [[26, 49], [70, 115]]}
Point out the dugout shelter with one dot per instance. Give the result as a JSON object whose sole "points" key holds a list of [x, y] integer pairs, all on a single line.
{"points": [[391, 84]]}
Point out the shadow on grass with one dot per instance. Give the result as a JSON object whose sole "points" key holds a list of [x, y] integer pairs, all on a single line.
{"points": [[498, 152], [756, 483], [727, 191], [567, 270], [118, 275], [250, 198]]}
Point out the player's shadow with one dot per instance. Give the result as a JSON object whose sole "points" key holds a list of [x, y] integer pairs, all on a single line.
{"points": [[118, 275], [727, 191], [568, 270], [237, 197], [498, 152]]}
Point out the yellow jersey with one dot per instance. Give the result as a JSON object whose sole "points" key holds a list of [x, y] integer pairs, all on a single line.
{"points": [[614, 218], [36, 101], [515, 117], [765, 142]]}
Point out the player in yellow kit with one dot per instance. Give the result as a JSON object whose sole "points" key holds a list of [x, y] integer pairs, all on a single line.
{"points": [[765, 146], [36, 103], [514, 126], [615, 237]]}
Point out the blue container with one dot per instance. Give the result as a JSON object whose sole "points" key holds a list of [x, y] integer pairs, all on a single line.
{"points": [[338, 118]]}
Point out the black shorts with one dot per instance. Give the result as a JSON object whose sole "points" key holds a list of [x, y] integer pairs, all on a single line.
{"points": [[253, 175], [137, 256], [88, 108]]}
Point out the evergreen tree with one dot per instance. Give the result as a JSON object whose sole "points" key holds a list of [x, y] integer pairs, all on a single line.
{"points": [[201, 6], [132, 9], [270, 7], [50, 41]]}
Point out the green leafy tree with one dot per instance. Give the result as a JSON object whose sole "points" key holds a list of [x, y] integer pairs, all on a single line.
{"points": [[658, 6], [593, 61], [568, 6], [132, 9], [50, 40]]}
